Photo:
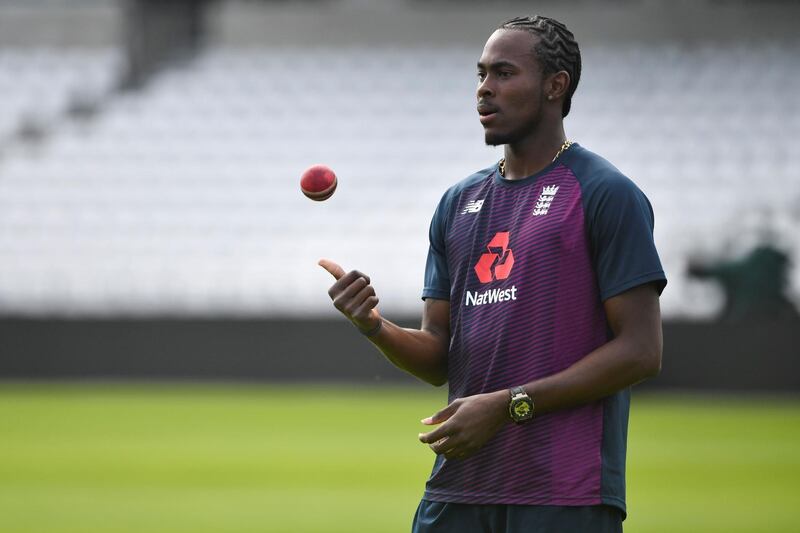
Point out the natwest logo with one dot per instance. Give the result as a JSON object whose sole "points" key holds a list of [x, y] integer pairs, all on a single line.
{"points": [[498, 262], [495, 264]]}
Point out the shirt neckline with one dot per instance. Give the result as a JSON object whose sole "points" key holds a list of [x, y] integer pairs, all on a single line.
{"points": [[533, 177]]}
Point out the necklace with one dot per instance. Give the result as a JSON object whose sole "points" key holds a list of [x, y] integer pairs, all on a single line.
{"points": [[564, 148]]}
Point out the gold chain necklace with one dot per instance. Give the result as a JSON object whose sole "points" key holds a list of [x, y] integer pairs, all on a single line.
{"points": [[564, 147]]}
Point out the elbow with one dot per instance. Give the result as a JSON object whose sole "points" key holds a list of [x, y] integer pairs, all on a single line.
{"points": [[436, 373], [436, 381], [649, 362]]}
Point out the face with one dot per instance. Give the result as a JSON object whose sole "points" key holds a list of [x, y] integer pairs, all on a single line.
{"points": [[510, 87]]}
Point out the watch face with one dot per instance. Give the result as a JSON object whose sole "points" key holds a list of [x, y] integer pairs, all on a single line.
{"points": [[522, 409]]}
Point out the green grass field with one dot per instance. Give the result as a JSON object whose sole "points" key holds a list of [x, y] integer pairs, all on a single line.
{"points": [[174, 459]]}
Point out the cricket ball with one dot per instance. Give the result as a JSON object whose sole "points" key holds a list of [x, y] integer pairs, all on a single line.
{"points": [[318, 182]]}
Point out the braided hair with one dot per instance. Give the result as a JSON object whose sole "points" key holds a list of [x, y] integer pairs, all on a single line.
{"points": [[556, 49]]}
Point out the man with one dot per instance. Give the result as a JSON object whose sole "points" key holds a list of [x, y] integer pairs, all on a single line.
{"points": [[541, 310]]}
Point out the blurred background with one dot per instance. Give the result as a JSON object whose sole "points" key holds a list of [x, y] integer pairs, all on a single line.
{"points": [[169, 357]]}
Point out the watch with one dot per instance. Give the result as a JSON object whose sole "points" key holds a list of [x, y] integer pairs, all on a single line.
{"points": [[521, 406]]}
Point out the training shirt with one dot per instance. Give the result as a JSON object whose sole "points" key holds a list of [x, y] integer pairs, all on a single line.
{"points": [[526, 265]]}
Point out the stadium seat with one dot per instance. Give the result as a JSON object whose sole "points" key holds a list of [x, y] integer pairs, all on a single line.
{"points": [[183, 197]]}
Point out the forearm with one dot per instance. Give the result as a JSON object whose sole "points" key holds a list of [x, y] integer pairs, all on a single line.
{"points": [[420, 352], [634, 354], [612, 367]]}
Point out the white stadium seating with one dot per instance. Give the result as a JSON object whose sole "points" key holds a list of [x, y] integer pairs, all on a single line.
{"points": [[183, 198]]}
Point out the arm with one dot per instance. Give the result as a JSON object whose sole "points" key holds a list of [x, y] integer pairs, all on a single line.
{"points": [[420, 352], [633, 355]]}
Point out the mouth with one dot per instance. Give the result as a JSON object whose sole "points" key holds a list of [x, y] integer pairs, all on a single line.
{"points": [[487, 113], [486, 119]]}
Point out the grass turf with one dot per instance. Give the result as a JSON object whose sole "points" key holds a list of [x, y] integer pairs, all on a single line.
{"points": [[191, 458]]}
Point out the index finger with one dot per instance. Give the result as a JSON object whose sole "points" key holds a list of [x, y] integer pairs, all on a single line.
{"points": [[334, 269], [436, 434]]}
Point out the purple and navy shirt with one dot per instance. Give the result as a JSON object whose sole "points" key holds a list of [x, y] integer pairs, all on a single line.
{"points": [[526, 265]]}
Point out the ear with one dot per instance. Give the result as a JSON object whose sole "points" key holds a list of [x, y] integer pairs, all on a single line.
{"points": [[556, 85]]}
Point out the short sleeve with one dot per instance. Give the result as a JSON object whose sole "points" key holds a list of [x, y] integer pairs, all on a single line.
{"points": [[620, 223], [437, 275]]}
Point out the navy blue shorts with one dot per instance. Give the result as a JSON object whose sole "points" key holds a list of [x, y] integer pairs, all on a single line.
{"points": [[438, 517]]}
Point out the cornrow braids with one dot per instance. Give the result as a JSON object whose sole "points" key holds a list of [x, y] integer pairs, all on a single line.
{"points": [[556, 48]]}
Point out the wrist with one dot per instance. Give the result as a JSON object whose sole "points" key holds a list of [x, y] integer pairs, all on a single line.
{"points": [[371, 331], [500, 405]]}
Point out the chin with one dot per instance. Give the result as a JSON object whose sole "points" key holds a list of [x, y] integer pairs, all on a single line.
{"points": [[512, 133], [495, 139]]}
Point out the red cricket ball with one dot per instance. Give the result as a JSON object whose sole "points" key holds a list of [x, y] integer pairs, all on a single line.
{"points": [[318, 182]]}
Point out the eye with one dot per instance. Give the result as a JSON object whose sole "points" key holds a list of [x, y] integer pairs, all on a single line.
{"points": [[504, 74], [481, 76]]}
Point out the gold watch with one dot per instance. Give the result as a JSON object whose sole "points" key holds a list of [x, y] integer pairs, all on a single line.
{"points": [[521, 406]]}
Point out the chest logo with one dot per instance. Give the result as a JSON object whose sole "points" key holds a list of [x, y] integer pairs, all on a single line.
{"points": [[498, 261], [472, 207], [545, 199]]}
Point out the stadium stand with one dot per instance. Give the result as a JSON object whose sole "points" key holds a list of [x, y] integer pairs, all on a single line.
{"points": [[183, 198], [40, 84]]}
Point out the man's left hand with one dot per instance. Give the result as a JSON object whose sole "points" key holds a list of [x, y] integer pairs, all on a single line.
{"points": [[467, 424]]}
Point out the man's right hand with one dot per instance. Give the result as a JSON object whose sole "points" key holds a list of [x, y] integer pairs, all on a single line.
{"points": [[353, 296]]}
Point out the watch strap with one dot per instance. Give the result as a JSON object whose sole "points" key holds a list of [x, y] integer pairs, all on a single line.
{"points": [[516, 391]]}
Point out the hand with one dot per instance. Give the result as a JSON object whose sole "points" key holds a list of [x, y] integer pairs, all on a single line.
{"points": [[467, 424], [353, 296]]}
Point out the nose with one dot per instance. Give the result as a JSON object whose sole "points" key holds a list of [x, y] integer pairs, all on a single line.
{"points": [[485, 88]]}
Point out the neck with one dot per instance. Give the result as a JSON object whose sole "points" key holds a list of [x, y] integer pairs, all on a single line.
{"points": [[530, 155]]}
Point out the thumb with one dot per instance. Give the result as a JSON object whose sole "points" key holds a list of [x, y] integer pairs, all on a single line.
{"points": [[440, 416], [335, 270]]}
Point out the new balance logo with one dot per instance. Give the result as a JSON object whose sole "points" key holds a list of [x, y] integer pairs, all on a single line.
{"points": [[473, 207], [544, 201]]}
